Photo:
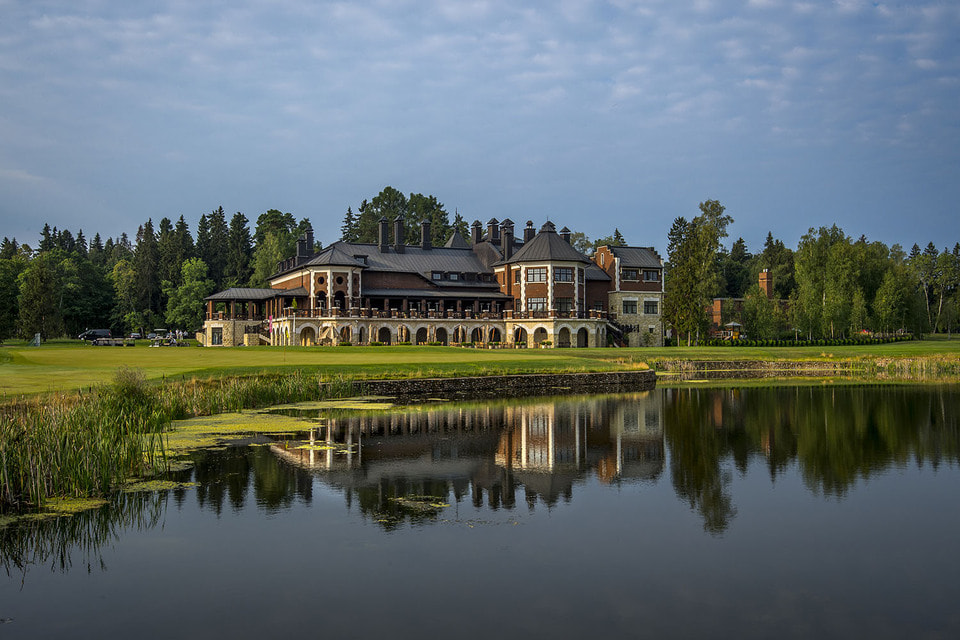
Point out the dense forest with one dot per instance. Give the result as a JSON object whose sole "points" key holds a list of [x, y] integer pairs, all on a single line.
{"points": [[829, 286]]}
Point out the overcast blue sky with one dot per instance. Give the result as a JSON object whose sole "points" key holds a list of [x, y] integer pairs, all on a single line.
{"points": [[595, 115]]}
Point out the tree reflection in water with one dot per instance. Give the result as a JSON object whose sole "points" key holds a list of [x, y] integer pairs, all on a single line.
{"points": [[403, 468]]}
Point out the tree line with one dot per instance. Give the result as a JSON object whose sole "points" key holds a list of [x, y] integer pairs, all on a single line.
{"points": [[830, 287], [160, 278]]}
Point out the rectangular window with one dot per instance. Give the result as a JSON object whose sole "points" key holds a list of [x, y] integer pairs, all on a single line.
{"points": [[537, 274], [216, 335], [580, 275], [454, 276], [564, 304], [651, 276], [536, 304], [563, 274], [629, 306], [437, 275], [629, 274], [516, 276], [650, 307]]}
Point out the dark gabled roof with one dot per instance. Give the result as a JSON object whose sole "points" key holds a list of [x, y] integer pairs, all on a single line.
{"points": [[546, 246], [488, 254], [456, 241], [642, 257], [243, 293], [413, 259], [593, 272], [246, 294], [335, 255]]}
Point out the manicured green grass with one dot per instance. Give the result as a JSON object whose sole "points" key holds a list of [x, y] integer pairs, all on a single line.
{"points": [[69, 366]]}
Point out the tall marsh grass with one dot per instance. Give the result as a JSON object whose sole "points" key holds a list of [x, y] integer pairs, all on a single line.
{"points": [[78, 446]]}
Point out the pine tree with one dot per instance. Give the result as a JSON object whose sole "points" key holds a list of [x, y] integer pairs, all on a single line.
{"points": [[239, 252], [146, 266], [349, 231], [216, 250]]}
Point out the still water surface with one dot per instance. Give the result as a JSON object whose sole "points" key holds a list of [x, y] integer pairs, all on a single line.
{"points": [[800, 512]]}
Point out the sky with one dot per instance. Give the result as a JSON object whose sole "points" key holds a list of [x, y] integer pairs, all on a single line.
{"points": [[594, 115]]}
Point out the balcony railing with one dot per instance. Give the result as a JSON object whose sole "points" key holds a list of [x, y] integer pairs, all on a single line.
{"points": [[360, 313]]}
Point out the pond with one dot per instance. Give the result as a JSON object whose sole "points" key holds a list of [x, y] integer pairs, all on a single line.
{"points": [[802, 511]]}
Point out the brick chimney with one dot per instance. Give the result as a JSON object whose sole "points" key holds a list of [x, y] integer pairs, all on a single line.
{"points": [[506, 234], [493, 231], [766, 283], [475, 232], [398, 243], [529, 232], [383, 235], [425, 242]]}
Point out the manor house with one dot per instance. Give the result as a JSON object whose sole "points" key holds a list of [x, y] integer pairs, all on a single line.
{"points": [[495, 289]]}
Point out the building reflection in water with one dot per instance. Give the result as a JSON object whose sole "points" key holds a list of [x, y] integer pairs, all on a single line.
{"points": [[488, 452]]}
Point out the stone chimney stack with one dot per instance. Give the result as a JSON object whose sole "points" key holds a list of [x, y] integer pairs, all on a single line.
{"points": [[309, 241], [475, 233], [398, 243], [383, 235], [529, 232], [425, 242]]}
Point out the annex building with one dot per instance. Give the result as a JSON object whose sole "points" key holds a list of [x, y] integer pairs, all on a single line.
{"points": [[494, 289]]}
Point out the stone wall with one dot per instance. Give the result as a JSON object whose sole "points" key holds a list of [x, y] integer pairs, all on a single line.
{"points": [[512, 386]]}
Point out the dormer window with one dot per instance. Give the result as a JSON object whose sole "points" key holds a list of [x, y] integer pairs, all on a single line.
{"points": [[454, 276], [361, 258], [437, 275]]}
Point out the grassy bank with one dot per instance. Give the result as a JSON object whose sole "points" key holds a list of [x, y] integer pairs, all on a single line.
{"points": [[69, 366]]}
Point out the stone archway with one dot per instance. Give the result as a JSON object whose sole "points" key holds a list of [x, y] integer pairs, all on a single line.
{"points": [[582, 338], [520, 337], [422, 335], [340, 300], [460, 334], [362, 335], [383, 335], [563, 337], [539, 335], [308, 336], [441, 336], [495, 335], [344, 335], [476, 335]]}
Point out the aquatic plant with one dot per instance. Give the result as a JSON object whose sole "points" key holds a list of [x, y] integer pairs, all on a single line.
{"points": [[86, 445]]}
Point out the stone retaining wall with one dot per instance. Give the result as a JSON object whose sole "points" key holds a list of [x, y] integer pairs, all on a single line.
{"points": [[512, 386]]}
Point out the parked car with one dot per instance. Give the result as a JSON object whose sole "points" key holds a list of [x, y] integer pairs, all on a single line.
{"points": [[135, 336], [151, 336], [93, 334]]}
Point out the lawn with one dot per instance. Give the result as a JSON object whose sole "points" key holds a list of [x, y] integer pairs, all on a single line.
{"points": [[69, 365]]}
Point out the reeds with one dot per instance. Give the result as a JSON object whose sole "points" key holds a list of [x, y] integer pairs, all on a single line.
{"points": [[85, 446]]}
